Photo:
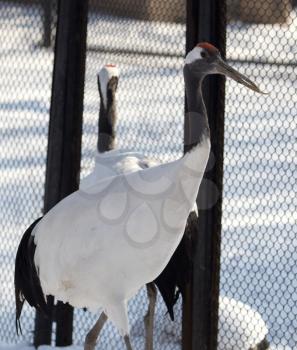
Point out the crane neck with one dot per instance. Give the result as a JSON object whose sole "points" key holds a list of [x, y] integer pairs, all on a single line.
{"points": [[107, 122], [196, 121]]}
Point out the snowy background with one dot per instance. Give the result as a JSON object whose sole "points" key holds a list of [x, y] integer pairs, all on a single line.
{"points": [[259, 240]]}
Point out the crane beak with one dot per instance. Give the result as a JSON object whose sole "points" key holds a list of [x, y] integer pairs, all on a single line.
{"points": [[224, 68]]}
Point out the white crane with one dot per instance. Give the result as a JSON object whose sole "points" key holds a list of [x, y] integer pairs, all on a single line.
{"points": [[172, 282], [98, 246]]}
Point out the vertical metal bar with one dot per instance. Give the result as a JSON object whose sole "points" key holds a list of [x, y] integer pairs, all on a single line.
{"points": [[64, 320], [43, 326], [192, 13], [64, 141], [206, 21], [47, 22]]}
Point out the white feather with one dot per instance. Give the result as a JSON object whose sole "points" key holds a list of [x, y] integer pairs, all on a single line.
{"points": [[115, 162], [99, 245], [193, 55]]}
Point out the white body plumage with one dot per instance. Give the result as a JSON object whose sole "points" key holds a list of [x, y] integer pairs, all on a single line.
{"points": [[99, 245]]}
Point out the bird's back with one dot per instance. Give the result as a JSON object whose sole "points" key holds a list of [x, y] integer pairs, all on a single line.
{"points": [[114, 163]]}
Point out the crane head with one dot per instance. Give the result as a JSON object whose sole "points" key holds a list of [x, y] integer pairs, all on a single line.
{"points": [[107, 79], [206, 59]]}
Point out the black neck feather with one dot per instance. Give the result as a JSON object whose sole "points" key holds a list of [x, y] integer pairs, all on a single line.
{"points": [[196, 121], [107, 119]]}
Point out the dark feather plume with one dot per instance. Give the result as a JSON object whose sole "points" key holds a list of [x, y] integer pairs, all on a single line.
{"points": [[26, 281], [173, 280]]}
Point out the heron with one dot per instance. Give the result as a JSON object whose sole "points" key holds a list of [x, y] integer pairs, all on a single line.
{"points": [[98, 246]]}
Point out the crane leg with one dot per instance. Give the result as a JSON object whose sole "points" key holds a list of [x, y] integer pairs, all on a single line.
{"points": [[149, 317], [92, 336], [128, 342], [117, 313]]}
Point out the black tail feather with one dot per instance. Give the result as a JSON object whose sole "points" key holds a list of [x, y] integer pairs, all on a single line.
{"points": [[174, 279], [26, 280]]}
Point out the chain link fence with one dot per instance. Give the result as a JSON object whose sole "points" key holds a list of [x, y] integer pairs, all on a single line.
{"points": [[259, 259], [26, 75]]}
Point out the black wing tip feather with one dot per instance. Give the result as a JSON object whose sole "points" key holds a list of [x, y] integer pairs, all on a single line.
{"points": [[26, 280], [175, 278]]}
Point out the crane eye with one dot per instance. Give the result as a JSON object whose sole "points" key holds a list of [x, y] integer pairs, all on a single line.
{"points": [[203, 54]]}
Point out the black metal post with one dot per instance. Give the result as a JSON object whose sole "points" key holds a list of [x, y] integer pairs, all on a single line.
{"points": [[206, 21], [64, 141], [47, 22]]}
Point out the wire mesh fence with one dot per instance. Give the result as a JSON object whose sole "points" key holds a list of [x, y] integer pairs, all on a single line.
{"points": [[26, 74], [146, 40], [259, 200], [148, 51]]}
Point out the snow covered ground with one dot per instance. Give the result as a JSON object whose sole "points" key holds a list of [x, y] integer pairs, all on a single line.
{"points": [[259, 241]]}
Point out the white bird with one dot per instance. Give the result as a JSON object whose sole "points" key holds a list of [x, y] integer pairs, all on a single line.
{"points": [[98, 246], [110, 162], [238, 323]]}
